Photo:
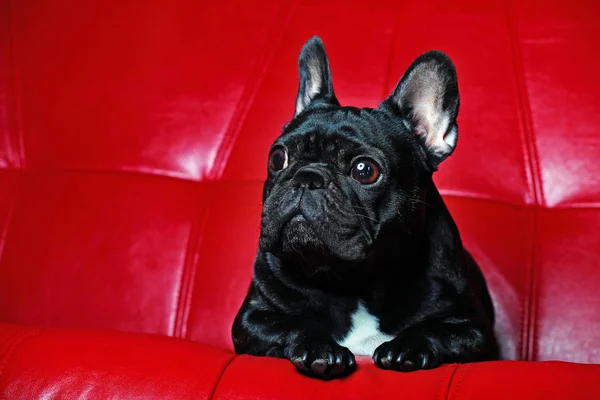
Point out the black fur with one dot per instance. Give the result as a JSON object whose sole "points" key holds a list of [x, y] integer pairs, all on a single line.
{"points": [[328, 241]]}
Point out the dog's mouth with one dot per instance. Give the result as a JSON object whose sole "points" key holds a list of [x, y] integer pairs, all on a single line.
{"points": [[314, 223], [293, 222], [317, 237], [298, 235]]}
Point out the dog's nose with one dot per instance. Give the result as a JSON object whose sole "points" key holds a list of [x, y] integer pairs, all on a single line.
{"points": [[310, 178]]}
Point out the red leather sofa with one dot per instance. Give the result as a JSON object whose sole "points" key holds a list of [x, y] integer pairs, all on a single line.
{"points": [[133, 144]]}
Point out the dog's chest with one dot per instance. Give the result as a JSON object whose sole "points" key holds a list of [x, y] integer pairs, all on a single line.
{"points": [[364, 335]]}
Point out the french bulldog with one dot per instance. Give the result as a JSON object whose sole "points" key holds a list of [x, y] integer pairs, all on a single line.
{"points": [[358, 254]]}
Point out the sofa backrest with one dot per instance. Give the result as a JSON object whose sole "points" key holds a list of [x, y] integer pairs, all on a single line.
{"points": [[133, 144]]}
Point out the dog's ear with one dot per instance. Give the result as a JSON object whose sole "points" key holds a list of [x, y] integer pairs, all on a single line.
{"points": [[315, 78], [427, 100]]}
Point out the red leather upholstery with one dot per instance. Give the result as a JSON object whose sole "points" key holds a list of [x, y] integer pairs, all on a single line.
{"points": [[133, 140], [44, 364]]}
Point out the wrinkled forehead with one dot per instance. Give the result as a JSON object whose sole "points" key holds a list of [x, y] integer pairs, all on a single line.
{"points": [[331, 132]]}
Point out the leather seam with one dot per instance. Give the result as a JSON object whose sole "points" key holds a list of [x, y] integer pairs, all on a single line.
{"points": [[12, 350], [524, 109], [9, 216], [7, 40], [4, 231], [460, 194], [124, 171], [188, 273], [528, 303], [456, 383], [532, 290], [445, 393], [225, 368], [252, 87], [533, 175], [16, 98]]}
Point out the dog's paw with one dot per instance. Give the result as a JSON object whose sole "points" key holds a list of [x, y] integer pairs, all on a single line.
{"points": [[407, 353], [323, 360]]}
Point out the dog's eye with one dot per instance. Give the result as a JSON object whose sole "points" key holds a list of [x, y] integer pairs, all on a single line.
{"points": [[365, 171], [278, 159]]}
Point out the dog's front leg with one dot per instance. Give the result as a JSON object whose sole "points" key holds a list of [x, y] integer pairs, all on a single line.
{"points": [[316, 354], [301, 339], [432, 343]]}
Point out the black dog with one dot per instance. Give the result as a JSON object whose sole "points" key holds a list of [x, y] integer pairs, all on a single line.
{"points": [[358, 253]]}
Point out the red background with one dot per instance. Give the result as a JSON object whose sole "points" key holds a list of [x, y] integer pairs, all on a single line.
{"points": [[133, 141]]}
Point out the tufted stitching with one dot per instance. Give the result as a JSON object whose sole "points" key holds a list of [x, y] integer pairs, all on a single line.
{"points": [[532, 166], [11, 345], [251, 88]]}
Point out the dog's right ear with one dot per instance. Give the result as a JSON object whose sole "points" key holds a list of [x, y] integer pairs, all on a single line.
{"points": [[315, 78]]}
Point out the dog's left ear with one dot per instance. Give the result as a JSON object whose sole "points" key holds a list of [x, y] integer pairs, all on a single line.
{"points": [[427, 100], [315, 79]]}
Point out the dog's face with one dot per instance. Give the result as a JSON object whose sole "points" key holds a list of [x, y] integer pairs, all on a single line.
{"points": [[342, 180]]}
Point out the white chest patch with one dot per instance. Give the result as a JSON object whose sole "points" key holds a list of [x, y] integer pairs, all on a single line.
{"points": [[364, 336]]}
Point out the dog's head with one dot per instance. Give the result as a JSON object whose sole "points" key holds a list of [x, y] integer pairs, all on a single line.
{"points": [[343, 179]]}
